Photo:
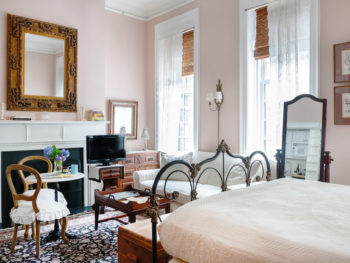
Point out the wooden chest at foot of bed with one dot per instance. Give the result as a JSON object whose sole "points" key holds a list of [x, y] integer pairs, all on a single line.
{"points": [[135, 244]]}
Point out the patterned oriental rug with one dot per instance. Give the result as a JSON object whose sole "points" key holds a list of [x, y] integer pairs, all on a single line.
{"points": [[90, 246]]}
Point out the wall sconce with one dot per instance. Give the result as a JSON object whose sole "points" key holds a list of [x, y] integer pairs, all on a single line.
{"points": [[218, 99], [145, 136]]}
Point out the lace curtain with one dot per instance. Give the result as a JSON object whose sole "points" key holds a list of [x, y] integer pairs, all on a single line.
{"points": [[282, 76], [289, 40], [169, 85]]}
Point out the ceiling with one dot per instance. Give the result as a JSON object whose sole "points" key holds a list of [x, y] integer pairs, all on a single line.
{"points": [[144, 9]]}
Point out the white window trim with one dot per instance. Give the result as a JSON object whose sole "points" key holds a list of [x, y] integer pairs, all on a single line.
{"points": [[314, 59], [167, 28]]}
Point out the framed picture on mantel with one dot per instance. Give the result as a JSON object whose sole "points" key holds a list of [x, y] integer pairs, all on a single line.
{"points": [[342, 105], [123, 117], [342, 62]]}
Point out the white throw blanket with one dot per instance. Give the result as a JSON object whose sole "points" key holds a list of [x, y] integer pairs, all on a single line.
{"points": [[285, 220]]}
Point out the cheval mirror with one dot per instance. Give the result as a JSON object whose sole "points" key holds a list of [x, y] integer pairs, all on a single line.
{"points": [[303, 139]]}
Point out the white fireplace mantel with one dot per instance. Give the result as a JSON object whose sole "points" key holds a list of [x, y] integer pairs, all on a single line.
{"points": [[35, 135]]}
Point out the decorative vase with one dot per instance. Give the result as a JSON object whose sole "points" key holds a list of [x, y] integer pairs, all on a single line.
{"points": [[57, 166]]}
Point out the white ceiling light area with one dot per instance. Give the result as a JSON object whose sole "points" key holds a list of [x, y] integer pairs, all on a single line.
{"points": [[144, 9]]}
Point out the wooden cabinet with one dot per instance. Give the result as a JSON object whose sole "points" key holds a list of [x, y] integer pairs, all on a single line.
{"points": [[136, 161], [110, 176]]}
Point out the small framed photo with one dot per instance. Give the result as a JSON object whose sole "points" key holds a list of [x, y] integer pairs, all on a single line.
{"points": [[123, 117], [342, 105], [342, 62]]}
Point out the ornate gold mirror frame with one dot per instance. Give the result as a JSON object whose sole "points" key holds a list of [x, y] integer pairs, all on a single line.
{"points": [[16, 100]]}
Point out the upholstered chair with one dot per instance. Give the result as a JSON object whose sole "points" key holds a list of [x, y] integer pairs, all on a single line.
{"points": [[34, 208], [45, 192]]}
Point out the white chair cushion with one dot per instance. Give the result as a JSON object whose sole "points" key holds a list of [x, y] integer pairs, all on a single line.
{"points": [[48, 194], [48, 210]]}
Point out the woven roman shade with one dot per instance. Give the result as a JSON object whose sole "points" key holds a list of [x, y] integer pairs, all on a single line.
{"points": [[262, 34], [187, 53]]}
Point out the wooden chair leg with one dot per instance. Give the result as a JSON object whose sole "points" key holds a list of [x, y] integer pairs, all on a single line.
{"points": [[63, 230], [44, 185], [37, 237], [26, 231], [14, 238], [33, 230]]}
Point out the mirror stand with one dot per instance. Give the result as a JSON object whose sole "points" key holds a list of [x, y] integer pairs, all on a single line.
{"points": [[326, 161], [303, 140]]}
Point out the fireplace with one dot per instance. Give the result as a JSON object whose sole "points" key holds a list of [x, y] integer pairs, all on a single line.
{"points": [[23, 138], [73, 191]]}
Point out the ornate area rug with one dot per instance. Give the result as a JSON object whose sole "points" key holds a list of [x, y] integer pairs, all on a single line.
{"points": [[90, 246]]}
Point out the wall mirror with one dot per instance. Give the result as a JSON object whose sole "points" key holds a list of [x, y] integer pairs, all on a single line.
{"points": [[123, 115], [304, 122], [42, 66]]}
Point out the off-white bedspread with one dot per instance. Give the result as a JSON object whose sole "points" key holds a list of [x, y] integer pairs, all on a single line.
{"points": [[285, 220]]}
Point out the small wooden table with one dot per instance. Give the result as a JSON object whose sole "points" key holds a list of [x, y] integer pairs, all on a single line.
{"points": [[130, 209]]}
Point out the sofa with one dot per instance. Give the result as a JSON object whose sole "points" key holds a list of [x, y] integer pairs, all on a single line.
{"points": [[209, 182]]}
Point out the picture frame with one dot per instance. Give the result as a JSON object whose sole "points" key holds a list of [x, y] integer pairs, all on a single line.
{"points": [[342, 105], [123, 113], [342, 62]]}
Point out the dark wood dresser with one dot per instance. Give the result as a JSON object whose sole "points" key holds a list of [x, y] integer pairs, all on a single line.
{"points": [[136, 161]]}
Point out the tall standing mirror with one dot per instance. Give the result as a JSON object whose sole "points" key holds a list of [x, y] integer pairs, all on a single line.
{"points": [[42, 66], [303, 138]]}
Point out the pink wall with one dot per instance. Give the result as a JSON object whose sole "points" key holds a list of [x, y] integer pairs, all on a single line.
{"points": [[334, 29], [125, 65], [40, 74], [72, 14], [305, 110], [219, 59], [102, 66]]}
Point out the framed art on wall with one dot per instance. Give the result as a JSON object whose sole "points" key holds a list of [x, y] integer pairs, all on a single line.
{"points": [[123, 117], [342, 62], [342, 105]]}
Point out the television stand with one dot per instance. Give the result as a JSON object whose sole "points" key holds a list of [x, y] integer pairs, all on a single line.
{"points": [[109, 175], [105, 164]]}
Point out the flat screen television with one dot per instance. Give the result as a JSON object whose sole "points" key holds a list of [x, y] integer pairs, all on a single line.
{"points": [[105, 149]]}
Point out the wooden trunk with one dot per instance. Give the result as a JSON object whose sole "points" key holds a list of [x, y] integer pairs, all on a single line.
{"points": [[135, 244]]}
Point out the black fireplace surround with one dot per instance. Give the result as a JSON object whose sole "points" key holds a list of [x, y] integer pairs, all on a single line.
{"points": [[73, 191]]}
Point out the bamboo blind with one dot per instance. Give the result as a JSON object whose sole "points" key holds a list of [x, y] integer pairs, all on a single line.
{"points": [[262, 34], [187, 53]]}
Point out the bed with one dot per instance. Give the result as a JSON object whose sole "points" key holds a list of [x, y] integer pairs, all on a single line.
{"points": [[255, 164], [286, 220]]}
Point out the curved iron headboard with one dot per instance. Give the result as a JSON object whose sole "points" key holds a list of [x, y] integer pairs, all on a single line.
{"points": [[194, 177]]}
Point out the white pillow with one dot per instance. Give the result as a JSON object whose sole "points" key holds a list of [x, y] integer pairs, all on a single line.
{"points": [[177, 176]]}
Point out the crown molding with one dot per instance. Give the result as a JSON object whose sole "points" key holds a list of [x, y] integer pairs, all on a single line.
{"points": [[145, 17]]}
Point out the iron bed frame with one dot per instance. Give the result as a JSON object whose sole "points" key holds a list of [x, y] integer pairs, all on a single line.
{"points": [[194, 174]]}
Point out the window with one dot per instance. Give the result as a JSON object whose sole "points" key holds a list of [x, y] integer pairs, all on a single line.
{"points": [[279, 66], [176, 90], [185, 139]]}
